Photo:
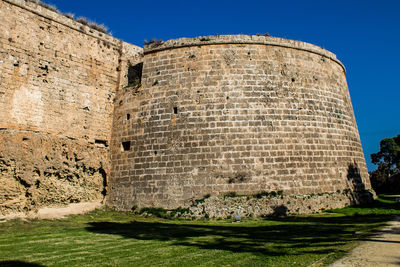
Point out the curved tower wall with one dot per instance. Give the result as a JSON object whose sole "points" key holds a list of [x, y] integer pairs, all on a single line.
{"points": [[234, 113]]}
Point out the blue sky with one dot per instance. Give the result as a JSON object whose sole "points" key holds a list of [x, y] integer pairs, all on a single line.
{"points": [[365, 36]]}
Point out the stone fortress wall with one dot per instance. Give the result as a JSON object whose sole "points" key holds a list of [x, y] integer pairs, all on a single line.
{"points": [[207, 115], [239, 113], [58, 80]]}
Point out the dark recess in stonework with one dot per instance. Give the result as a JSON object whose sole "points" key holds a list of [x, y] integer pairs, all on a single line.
{"points": [[135, 74], [101, 142], [104, 175], [126, 146]]}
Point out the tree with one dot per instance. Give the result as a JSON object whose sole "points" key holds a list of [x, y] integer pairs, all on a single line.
{"points": [[388, 161], [389, 155]]}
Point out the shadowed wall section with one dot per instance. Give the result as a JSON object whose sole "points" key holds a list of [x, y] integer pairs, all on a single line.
{"points": [[234, 113]]}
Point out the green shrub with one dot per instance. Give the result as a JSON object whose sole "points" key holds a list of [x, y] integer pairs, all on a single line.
{"points": [[346, 191], [158, 212], [201, 200], [261, 194], [164, 213], [230, 194], [273, 194]]}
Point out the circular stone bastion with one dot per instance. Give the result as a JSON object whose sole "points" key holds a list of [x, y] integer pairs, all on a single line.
{"points": [[235, 115]]}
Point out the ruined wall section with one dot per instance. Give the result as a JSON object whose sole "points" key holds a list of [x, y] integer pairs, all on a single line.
{"points": [[240, 114], [58, 80]]}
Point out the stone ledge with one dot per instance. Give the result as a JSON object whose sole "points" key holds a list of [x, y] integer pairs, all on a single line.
{"points": [[240, 39], [32, 130]]}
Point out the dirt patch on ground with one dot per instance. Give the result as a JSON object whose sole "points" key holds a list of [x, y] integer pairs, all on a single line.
{"points": [[76, 208], [54, 212]]}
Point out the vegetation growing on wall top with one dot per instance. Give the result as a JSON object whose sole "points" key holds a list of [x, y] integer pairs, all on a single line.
{"points": [[153, 42], [40, 3], [98, 27]]}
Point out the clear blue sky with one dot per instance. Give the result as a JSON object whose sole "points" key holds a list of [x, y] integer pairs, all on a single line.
{"points": [[365, 36]]}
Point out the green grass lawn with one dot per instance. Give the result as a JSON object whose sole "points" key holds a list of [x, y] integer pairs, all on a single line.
{"points": [[108, 238]]}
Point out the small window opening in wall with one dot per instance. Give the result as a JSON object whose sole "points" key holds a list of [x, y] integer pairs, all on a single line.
{"points": [[155, 152], [135, 74], [101, 142], [175, 110], [128, 116], [126, 146]]}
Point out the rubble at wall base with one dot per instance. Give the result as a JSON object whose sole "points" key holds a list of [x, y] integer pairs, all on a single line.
{"points": [[261, 205]]}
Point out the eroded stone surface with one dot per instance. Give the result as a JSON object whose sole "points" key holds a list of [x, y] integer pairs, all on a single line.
{"points": [[39, 170], [58, 80]]}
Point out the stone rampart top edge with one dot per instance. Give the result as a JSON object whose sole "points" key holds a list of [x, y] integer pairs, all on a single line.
{"points": [[239, 39], [71, 23]]}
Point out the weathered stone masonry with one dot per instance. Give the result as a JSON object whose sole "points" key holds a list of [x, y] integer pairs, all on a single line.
{"points": [[234, 114], [58, 81], [207, 115]]}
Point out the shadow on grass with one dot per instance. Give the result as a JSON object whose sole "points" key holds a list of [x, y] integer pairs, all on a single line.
{"points": [[273, 237], [19, 264]]}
